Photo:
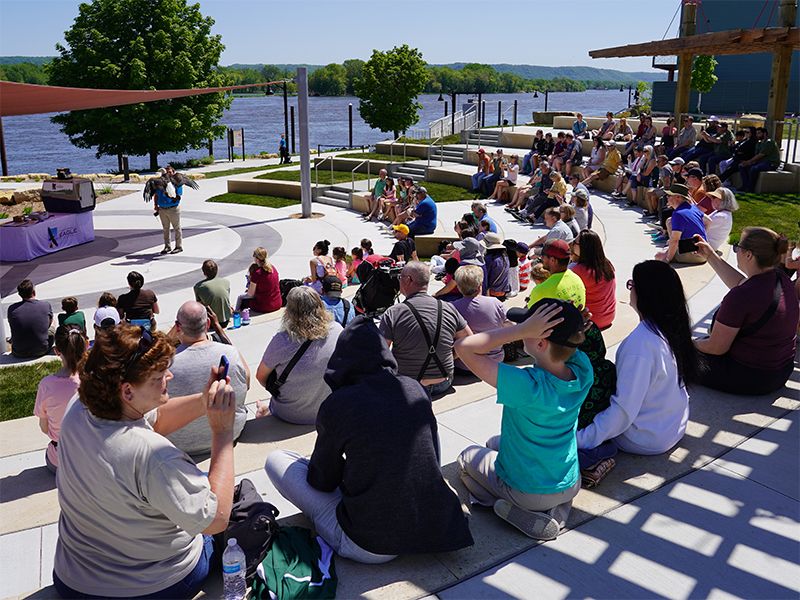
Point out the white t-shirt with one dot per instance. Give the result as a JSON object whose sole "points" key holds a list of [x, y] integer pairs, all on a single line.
{"points": [[718, 230], [650, 409], [132, 507], [512, 172]]}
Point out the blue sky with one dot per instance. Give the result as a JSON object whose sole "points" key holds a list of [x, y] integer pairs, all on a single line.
{"points": [[542, 32]]}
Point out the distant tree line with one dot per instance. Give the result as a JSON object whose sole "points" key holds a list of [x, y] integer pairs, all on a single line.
{"points": [[339, 79]]}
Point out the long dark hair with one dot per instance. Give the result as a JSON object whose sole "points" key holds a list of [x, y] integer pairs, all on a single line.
{"points": [[662, 305], [71, 344], [593, 256]]}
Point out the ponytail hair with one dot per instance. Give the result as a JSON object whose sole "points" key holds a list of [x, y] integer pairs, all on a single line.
{"points": [[71, 345], [135, 280], [767, 246]]}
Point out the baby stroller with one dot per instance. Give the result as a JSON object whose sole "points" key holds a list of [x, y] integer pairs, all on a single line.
{"points": [[380, 286]]}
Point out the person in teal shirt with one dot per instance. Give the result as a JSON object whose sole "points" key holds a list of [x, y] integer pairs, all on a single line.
{"points": [[529, 473]]}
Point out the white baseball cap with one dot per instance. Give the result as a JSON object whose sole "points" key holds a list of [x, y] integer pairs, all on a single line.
{"points": [[106, 316]]}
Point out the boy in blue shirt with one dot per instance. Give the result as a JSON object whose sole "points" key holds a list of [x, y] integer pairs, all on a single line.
{"points": [[529, 473]]}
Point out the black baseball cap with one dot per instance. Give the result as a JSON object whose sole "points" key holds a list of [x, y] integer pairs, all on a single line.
{"points": [[332, 286], [561, 333]]}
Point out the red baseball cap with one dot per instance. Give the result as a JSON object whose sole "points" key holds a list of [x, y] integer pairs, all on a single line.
{"points": [[556, 249]]}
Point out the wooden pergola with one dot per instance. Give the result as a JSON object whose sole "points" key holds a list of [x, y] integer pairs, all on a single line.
{"points": [[780, 41]]}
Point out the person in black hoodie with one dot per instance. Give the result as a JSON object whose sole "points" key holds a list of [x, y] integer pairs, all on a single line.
{"points": [[373, 487]]}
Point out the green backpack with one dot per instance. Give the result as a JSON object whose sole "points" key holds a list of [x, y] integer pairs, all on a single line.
{"points": [[298, 565]]}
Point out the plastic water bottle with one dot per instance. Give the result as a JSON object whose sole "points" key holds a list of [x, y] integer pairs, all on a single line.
{"points": [[237, 320], [245, 316], [234, 566]]}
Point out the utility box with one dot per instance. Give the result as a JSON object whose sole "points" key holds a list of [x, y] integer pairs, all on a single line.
{"points": [[74, 195]]}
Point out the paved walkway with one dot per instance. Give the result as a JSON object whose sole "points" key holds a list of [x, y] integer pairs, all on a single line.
{"points": [[694, 524]]}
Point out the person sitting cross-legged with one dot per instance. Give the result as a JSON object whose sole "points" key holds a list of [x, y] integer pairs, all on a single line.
{"points": [[529, 473], [648, 412], [306, 339], [421, 331], [31, 322], [752, 343], [194, 358], [373, 488]]}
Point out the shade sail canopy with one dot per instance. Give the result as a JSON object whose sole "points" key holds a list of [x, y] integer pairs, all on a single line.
{"points": [[735, 41], [29, 99]]}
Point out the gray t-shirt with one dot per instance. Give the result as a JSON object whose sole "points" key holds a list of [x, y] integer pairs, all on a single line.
{"points": [[132, 507], [399, 325], [190, 370], [560, 231], [305, 388]]}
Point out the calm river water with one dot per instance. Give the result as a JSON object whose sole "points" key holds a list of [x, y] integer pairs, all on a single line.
{"points": [[35, 145]]}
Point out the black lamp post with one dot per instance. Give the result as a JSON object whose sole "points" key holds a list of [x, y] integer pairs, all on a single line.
{"points": [[630, 89], [546, 94]]}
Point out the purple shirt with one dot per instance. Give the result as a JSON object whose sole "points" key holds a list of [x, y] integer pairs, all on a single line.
{"points": [[481, 313]]}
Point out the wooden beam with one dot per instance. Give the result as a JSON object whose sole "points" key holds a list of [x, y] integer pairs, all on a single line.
{"points": [[736, 41], [779, 78]]}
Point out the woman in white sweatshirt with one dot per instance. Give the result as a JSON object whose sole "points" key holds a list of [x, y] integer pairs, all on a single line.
{"points": [[650, 408]]}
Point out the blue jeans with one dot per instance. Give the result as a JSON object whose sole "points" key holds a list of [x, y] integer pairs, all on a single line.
{"points": [[188, 587], [437, 389], [527, 167], [750, 174], [476, 180]]}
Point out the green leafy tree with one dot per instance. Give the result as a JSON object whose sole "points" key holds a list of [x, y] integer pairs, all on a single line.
{"points": [[139, 45], [330, 80], [24, 72], [703, 77], [479, 79], [388, 88], [353, 68]]}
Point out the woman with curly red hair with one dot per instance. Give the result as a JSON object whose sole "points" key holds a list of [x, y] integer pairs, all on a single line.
{"points": [[133, 506]]}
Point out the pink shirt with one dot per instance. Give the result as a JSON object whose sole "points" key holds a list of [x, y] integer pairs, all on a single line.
{"points": [[52, 397], [601, 296], [341, 271]]}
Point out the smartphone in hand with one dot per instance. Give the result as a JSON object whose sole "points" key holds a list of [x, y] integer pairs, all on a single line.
{"points": [[222, 372], [687, 245]]}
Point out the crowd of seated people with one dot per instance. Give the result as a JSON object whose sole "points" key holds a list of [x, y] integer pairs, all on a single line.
{"points": [[154, 399]]}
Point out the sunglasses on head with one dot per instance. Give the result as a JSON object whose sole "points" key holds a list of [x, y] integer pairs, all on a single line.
{"points": [[145, 343]]}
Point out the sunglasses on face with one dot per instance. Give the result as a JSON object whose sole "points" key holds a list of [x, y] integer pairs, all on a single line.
{"points": [[145, 343], [737, 247], [629, 284]]}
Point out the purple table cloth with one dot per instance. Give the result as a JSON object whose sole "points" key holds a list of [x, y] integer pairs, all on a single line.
{"points": [[23, 242]]}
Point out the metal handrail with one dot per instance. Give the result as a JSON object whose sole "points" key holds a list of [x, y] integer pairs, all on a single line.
{"points": [[353, 174], [316, 170], [503, 118], [430, 147]]}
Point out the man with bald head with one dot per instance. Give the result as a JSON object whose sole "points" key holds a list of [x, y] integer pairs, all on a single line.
{"points": [[195, 355], [421, 331]]}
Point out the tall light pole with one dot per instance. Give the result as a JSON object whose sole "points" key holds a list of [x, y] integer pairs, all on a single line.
{"points": [[305, 155]]}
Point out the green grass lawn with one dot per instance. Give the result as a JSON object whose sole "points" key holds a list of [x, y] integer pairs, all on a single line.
{"points": [[779, 212], [253, 200], [448, 139], [18, 388], [240, 170], [398, 157], [324, 176]]}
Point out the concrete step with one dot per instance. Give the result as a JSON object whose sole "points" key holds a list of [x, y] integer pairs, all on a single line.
{"points": [[332, 201], [340, 194], [410, 170]]}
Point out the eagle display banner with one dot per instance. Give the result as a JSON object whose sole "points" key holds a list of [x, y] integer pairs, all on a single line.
{"points": [[25, 241]]}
